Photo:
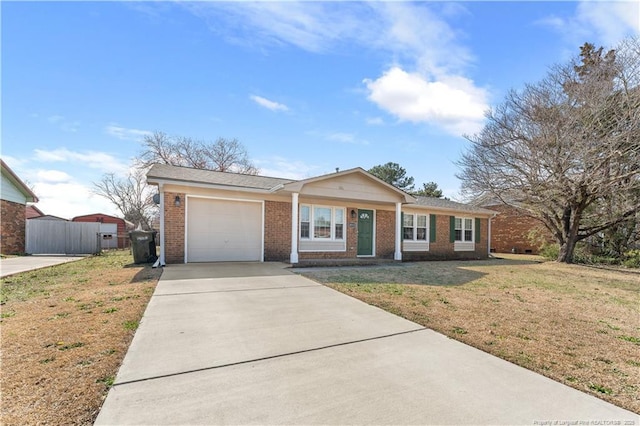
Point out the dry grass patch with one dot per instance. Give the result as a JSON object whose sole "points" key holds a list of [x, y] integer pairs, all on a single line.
{"points": [[65, 331], [575, 324]]}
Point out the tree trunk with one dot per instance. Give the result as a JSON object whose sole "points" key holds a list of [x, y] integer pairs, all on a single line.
{"points": [[571, 224], [566, 250]]}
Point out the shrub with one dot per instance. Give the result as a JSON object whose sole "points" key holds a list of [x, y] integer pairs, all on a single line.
{"points": [[631, 259], [550, 251]]}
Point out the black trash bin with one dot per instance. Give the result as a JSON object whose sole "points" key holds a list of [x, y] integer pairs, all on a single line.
{"points": [[143, 246]]}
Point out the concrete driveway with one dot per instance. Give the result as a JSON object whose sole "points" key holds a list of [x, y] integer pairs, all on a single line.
{"points": [[253, 343], [14, 265]]}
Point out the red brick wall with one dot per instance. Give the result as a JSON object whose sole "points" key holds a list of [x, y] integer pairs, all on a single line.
{"points": [[385, 234], [174, 228], [12, 228], [277, 231], [443, 248], [510, 231]]}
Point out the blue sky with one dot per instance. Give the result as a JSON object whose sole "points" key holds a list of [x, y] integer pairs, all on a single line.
{"points": [[305, 86]]}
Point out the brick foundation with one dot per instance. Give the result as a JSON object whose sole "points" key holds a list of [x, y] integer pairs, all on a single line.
{"points": [[12, 231]]}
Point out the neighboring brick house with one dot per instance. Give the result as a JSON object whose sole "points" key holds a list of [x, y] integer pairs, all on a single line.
{"points": [[14, 196], [208, 216], [122, 227], [513, 231]]}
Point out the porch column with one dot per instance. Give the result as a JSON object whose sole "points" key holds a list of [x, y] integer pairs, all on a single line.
{"points": [[162, 232], [294, 228], [398, 254]]}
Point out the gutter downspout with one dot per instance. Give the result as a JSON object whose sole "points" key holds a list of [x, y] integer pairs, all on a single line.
{"points": [[489, 235], [160, 261]]}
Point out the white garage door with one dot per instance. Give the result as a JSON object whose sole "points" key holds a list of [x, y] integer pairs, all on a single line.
{"points": [[221, 230]]}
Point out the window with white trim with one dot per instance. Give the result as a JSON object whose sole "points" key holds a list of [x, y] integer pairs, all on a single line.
{"points": [[322, 223], [414, 227], [464, 229], [305, 216]]}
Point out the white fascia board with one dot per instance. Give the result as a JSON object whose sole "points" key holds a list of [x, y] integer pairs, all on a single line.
{"points": [[154, 181], [453, 211]]}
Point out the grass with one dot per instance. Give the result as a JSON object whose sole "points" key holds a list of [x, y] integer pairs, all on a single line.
{"points": [[575, 324], [65, 330]]}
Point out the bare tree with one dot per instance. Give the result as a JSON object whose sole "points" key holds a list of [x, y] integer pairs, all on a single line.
{"points": [[130, 195], [567, 149], [224, 155], [134, 198]]}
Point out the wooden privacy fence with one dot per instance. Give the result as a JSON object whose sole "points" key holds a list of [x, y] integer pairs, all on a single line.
{"points": [[62, 237]]}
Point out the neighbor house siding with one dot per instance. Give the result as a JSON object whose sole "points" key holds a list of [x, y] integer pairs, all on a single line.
{"points": [[12, 238], [174, 218], [277, 231]]}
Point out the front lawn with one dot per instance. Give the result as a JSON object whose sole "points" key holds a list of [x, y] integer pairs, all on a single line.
{"points": [[575, 324], [65, 331]]}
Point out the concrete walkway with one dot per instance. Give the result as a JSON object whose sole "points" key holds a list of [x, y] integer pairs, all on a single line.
{"points": [[252, 343], [14, 265]]}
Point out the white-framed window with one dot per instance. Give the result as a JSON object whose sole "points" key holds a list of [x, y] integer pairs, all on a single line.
{"points": [[415, 227], [464, 229], [305, 224], [322, 223]]}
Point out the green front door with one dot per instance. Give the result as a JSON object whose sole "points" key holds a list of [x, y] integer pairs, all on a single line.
{"points": [[365, 232]]}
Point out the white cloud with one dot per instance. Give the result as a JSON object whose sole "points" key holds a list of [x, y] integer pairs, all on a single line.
{"points": [[285, 168], [311, 26], [419, 42], [54, 176], [375, 121], [598, 22], [66, 190], [93, 159], [264, 102], [14, 162], [126, 133], [70, 199], [64, 124], [452, 102], [346, 138]]}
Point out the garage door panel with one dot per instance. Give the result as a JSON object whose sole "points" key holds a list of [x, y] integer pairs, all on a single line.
{"points": [[221, 230]]}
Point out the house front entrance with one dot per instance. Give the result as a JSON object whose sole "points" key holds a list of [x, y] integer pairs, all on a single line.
{"points": [[365, 232]]}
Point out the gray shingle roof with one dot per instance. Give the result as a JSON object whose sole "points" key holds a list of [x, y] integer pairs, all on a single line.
{"points": [[441, 203], [186, 174], [237, 180]]}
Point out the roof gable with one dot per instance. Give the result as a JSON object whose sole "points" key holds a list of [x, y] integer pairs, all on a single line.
{"points": [[355, 184]]}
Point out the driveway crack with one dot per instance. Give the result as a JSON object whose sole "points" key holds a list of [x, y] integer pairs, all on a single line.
{"points": [[266, 358], [235, 290]]}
